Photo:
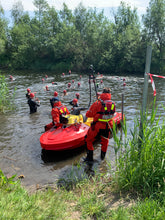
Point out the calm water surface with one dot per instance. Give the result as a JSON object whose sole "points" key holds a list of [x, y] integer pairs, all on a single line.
{"points": [[20, 150]]}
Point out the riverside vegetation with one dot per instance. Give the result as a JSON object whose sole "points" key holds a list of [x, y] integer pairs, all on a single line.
{"points": [[6, 99], [135, 190]]}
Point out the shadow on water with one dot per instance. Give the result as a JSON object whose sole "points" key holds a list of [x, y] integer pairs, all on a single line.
{"points": [[79, 170], [56, 156]]}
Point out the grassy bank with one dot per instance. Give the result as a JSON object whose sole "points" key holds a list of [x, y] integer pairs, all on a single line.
{"points": [[90, 199], [136, 190]]}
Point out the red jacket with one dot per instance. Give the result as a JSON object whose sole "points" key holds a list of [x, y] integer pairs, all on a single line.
{"points": [[56, 112], [97, 106]]}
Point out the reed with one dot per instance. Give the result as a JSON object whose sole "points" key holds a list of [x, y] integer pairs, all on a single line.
{"points": [[142, 169]]}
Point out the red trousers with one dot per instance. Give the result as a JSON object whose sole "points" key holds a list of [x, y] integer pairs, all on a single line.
{"points": [[100, 128]]}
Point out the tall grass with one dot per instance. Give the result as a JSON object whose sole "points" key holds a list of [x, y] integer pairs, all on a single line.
{"points": [[6, 100], [142, 169]]}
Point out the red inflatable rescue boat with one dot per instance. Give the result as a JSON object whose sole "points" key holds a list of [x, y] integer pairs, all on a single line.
{"points": [[70, 137]]}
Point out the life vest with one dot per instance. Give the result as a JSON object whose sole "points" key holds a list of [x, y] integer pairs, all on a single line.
{"points": [[107, 111], [62, 110]]}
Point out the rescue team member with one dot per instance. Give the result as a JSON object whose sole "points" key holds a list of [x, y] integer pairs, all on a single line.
{"points": [[76, 109], [28, 93], [58, 111], [74, 103], [33, 104], [102, 111], [52, 99]]}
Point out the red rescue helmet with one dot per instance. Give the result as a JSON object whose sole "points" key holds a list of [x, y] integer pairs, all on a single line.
{"points": [[64, 91], [28, 90], [77, 95], [55, 93], [75, 100], [31, 95]]}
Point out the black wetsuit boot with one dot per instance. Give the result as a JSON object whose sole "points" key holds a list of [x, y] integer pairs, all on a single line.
{"points": [[103, 155], [89, 157]]}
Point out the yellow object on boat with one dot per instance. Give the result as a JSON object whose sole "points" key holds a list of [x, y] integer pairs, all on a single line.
{"points": [[72, 119]]}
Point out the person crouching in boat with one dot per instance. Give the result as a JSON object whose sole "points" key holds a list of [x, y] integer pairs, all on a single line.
{"points": [[76, 109], [33, 103], [101, 111], [58, 111]]}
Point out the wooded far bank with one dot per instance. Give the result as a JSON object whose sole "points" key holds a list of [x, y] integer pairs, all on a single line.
{"points": [[62, 40]]}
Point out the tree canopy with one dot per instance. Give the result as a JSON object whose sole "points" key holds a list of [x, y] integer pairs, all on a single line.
{"points": [[64, 39]]}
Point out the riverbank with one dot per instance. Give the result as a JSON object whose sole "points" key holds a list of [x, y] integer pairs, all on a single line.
{"points": [[92, 198]]}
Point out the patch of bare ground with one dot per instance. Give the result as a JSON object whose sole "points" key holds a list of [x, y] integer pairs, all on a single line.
{"points": [[116, 200]]}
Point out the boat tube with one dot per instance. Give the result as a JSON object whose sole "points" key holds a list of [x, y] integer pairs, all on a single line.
{"points": [[72, 135]]}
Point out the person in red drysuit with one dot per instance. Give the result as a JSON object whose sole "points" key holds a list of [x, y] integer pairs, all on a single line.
{"points": [[101, 111], [58, 111], [52, 99]]}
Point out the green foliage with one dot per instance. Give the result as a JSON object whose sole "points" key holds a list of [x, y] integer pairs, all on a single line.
{"points": [[142, 169], [4, 181], [51, 38], [91, 206], [154, 22], [5, 98], [91, 199]]}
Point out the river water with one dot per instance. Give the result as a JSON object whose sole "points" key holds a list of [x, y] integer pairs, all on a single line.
{"points": [[20, 150]]}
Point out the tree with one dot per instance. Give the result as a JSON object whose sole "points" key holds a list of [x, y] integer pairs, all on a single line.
{"points": [[154, 23], [3, 36], [17, 12], [127, 37]]}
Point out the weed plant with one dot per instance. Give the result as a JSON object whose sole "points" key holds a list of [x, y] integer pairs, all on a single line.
{"points": [[141, 160]]}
